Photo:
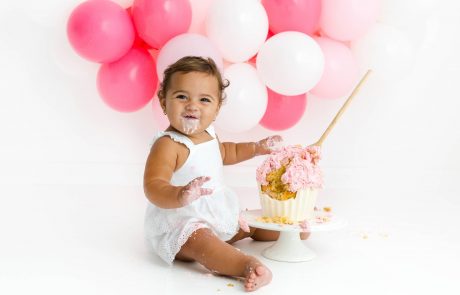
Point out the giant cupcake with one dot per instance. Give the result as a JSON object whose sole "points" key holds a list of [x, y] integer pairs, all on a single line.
{"points": [[289, 180]]}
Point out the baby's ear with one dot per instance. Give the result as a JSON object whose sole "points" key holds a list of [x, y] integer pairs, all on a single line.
{"points": [[162, 102]]}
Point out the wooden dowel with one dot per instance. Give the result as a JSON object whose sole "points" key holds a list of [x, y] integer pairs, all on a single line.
{"points": [[342, 109]]}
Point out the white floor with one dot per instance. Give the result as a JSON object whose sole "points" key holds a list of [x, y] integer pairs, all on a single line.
{"points": [[73, 239]]}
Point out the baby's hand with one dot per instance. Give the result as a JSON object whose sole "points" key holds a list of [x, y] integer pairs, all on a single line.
{"points": [[269, 144], [193, 190]]}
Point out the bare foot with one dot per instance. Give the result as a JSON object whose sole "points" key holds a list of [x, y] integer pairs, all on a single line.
{"points": [[257, 275]]}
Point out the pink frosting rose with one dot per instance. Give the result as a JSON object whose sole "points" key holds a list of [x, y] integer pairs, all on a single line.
{"points": [[302, 170]]}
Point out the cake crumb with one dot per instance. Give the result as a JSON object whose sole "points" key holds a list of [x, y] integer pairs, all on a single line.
{"points": [[327, 209], [281, 220], [230, 285], [365, 236], [322, 219]]}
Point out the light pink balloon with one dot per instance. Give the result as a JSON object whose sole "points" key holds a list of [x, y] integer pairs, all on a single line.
{"points": [[340, 69], [293, 15], [283, 111], [199, 11], [129, 83], [185, 45], [100, 31], [347, 20], [157, 21]]}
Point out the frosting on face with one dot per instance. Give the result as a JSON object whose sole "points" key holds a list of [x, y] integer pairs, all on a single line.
{"points": [[301, 167], [189, 125]]}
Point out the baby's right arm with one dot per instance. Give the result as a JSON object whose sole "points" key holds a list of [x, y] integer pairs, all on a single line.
{"points": [[160, 166]]}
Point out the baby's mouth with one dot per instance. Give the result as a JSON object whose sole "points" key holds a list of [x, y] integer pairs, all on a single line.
{"points": [[190, 117], [190, 123]]}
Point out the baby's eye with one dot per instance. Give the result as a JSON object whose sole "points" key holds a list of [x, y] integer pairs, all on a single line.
{"points": [[181, 96], [205, 99]]}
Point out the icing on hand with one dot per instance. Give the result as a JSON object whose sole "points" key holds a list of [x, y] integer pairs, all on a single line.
{"points": [[268, 145], [193, 190]]}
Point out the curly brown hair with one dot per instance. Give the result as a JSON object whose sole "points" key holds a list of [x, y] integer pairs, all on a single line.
{"points": [[189, 64]]}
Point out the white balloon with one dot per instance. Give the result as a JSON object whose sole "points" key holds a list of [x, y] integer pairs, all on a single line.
{"points": [[246, 99], [290, 63], [237, 27], [410, 16], [386, 50], [402, 13]]}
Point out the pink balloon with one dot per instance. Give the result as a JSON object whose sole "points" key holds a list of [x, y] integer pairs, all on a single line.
{"points": [[283, 111], [293, 15], [157, 21], [347, 20], [100, 30], [138, 42], [340, 69], [129, 83], [185, 45]]}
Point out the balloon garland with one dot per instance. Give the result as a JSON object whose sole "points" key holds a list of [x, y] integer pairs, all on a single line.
{"points": [[276, 53]]}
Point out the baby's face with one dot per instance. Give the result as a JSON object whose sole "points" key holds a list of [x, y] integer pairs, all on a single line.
{"points": [[192, 101]]}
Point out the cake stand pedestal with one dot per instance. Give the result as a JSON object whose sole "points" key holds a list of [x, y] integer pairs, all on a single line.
{"points": [[289, 247]]}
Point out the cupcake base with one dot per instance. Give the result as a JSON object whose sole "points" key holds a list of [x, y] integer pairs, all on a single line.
{"points": [[297, 209]]}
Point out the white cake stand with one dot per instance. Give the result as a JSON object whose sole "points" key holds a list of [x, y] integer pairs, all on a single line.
{"points": [[289, 247]]}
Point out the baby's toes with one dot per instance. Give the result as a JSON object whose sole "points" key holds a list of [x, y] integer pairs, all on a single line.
{"points": [[248, 286]]}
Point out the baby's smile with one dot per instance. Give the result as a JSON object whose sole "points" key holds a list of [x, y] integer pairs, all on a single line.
{"points": [[190, 116], [190, 123]]}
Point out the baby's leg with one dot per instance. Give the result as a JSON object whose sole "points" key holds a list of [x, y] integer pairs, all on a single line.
{"points": [[241, 234], [218, 256], [271, 235]]}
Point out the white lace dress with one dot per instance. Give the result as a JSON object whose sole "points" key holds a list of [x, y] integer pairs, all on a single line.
{"points": [[166, 230]]}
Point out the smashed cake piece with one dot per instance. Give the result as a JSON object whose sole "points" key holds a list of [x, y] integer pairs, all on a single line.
{"points": [[327, 209], [276, 219]]}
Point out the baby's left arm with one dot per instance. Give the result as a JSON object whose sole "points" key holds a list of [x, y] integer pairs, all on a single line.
{"points": [[233, 153]]}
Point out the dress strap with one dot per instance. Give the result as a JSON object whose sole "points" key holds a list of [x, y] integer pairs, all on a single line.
{"points": [[211, 131], [177, 137]]}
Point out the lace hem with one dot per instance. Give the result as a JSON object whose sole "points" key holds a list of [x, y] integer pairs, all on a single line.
{"points": [[184, 236], [168, 251]]}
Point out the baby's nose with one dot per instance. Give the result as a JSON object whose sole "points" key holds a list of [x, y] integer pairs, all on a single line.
{"points": [[191, 106]]}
